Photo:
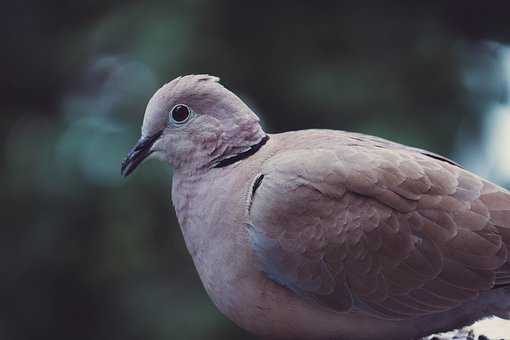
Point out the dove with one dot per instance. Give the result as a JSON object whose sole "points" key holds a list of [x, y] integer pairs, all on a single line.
{"points": [[323, 234]]}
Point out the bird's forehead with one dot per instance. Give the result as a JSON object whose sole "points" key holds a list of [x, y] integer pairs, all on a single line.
{"points": [[154, 120]]}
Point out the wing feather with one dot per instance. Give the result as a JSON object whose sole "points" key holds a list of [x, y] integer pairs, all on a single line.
{"points": [[392, 232]]}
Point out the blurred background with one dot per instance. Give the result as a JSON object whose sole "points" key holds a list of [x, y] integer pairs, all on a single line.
{"points": [[86, 254]]}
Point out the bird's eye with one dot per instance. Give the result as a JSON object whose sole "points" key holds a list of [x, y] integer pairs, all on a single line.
{"points": [[180, 114]]}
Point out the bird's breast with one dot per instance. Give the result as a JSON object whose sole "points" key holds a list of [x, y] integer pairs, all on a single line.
{"points": [[212, 213]]}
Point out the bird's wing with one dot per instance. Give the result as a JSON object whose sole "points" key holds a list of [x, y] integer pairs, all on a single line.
{"points": [[391, 232], [381, 142]]}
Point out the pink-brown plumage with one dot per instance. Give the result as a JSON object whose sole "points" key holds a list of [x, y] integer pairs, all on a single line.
{"points": [[330, 234]]}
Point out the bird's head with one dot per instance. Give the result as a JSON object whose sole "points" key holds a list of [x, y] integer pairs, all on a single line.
{"points": [[193, 122]]}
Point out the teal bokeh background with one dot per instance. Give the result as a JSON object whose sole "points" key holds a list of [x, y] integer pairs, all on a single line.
{"points": [[86, 254]]}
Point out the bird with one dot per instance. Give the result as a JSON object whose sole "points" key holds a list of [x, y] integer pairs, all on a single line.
{"points": [[325, 234]]}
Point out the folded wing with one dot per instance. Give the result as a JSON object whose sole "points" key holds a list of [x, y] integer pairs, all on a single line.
{"points": [[395, 233]]}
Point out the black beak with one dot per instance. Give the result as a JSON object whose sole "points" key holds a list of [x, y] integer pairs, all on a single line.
{"points": [[136, 155]]}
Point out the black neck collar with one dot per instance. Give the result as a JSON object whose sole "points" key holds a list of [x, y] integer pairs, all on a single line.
{"points": [[240, 156]]}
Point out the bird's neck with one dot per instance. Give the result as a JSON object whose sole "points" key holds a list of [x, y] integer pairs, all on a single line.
{"points": [[239, 156], [230, 148]]}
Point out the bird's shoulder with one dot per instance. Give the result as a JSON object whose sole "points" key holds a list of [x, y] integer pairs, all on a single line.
{"points": [[334, 162]]}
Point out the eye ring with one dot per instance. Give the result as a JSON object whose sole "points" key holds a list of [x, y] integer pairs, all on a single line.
{"points": [[180, 114]]}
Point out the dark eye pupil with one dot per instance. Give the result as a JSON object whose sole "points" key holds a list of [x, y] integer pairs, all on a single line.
{"points": [[180, 113]]}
